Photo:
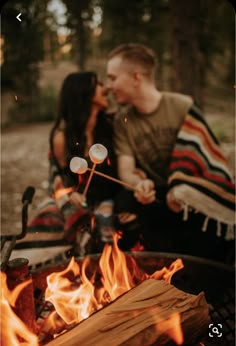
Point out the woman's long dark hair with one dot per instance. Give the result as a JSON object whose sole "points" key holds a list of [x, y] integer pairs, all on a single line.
{"points": [[74, 108]]}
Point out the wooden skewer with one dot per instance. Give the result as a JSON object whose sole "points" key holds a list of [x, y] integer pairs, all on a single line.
{"points": [[111, 178], [117, 181], [92, 171]]}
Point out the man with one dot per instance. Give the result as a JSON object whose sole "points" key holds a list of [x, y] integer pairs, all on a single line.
{"points": [[145, 135]]}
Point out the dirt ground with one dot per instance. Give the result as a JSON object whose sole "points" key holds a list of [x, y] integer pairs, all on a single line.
{"points": [[24, 151]]}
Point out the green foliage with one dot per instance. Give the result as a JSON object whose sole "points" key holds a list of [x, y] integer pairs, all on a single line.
{"points": [[144, 21], [23, 41], [23, 49], [43, 109]]}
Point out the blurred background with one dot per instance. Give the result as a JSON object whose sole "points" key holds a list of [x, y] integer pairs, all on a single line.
{"points": [[195, 46]]}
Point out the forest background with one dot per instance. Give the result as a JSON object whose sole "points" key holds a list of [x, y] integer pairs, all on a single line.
{"points": [[195, 46]]}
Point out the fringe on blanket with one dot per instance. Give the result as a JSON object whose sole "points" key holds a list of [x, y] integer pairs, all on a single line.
{"points": [[200, 178]]}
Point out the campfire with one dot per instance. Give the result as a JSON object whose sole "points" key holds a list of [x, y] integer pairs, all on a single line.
{"points": [[114, 302]]}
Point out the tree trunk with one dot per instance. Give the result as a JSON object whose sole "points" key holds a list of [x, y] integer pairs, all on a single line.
{"points": [[188, 59], [77, 23], [81, 49]]}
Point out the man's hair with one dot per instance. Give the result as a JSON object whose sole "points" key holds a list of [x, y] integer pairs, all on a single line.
{"points": [[137, 54]]}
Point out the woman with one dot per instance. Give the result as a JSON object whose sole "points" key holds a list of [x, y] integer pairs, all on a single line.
{"points": [[80, 123]]}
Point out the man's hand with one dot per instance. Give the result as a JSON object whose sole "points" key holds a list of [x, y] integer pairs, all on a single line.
{"points": [[77, 198], [172, 203], [144, 191]]}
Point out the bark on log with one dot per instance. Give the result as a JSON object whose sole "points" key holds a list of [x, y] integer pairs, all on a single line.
{"points": [[143, 316]]}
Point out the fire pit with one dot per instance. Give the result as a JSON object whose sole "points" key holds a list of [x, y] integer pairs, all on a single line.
{"points": [[197, 275], [215, 279]]}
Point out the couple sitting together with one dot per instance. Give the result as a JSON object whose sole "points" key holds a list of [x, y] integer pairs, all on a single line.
{"points": [[182, 196]]}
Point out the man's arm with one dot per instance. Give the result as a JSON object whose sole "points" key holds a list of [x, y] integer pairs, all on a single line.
{"points": [[126, 170], [144, 190]]}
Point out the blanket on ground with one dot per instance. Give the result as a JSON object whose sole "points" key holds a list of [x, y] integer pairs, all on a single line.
{"points": [[199, 177]]}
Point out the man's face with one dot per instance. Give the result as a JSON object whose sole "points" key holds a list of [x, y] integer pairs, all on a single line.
{"points": [[120, 80]]}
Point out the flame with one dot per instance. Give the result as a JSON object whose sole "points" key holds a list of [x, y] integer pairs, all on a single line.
{"points": [[13, 330], [172, 327], [73, 301], [61, 192], [75, 296], [116, 277], [166, 274], [52, 325]]}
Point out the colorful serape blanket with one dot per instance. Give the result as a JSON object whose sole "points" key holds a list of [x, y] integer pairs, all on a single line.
{"points": [[199, 177], [55, 224]]}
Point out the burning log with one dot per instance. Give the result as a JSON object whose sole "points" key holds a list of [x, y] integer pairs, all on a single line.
{"points": [[152, 313]]}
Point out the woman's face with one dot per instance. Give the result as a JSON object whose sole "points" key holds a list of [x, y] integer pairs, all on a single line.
{"points": [[100, 98]]}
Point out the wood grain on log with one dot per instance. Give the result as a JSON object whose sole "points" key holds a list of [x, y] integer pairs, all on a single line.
{"points": [[148, 314]]}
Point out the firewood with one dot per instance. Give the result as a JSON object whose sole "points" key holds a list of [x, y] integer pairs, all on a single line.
{"points": [[148, 314]]}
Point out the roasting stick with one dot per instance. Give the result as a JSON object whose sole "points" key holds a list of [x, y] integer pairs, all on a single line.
{"points": [[128, 186], [112, 179], [92, 170], [80, 166]]}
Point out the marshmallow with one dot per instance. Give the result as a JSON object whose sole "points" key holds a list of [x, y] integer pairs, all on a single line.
{"points": [[98, 153], [78, 165]]}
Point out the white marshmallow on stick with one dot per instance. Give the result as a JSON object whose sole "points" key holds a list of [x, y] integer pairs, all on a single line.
{"points": [[78, 165], [98, 153]]}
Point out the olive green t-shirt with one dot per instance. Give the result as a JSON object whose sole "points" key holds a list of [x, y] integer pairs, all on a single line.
{"points": [[150, 138]]}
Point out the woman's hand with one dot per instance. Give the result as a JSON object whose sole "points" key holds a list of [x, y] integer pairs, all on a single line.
{"points": [[77, 198]]}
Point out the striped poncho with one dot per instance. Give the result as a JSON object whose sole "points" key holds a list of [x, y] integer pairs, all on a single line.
{"points": [[199, 175]]}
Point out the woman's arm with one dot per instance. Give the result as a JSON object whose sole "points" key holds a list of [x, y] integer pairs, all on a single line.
{"points": [[59, 148]]}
